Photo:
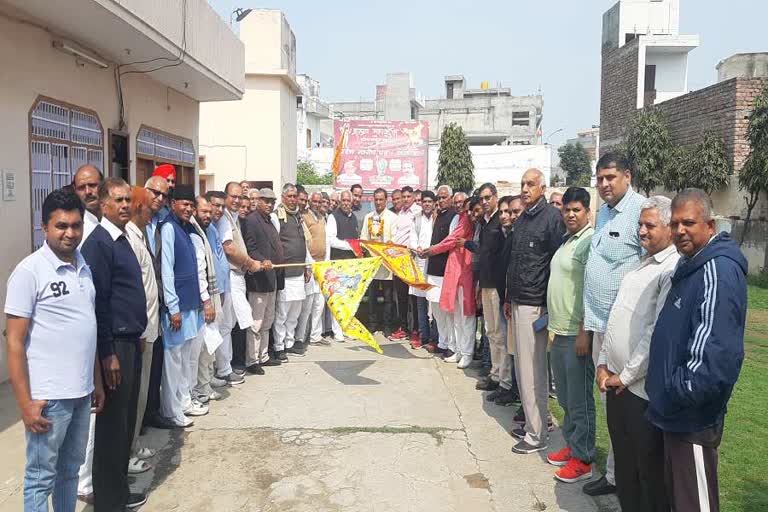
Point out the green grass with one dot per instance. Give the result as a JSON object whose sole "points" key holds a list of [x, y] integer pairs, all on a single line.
{"points": [[744, 450]]}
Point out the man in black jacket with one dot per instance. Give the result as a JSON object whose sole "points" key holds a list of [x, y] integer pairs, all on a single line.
{"points": [[491, 239], [538, 233], [263, 244]]}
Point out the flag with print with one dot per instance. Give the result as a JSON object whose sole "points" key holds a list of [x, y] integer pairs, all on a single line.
{"points": [[399, 260], [343, 283]]}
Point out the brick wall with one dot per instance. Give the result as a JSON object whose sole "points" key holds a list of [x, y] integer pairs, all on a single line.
{"points": [[618, 94], [722, 108]]}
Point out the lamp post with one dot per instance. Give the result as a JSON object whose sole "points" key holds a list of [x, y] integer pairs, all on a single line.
{"points": [[551, 134]]}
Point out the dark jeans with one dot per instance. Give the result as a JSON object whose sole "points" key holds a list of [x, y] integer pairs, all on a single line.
{"points": [[405, 304], [114, 431], [155, 378], [427, 326], [638, 449], [381, 314]]}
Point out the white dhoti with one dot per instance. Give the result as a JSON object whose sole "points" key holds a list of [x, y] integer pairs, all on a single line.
{"points": [[464, 327], [289, 302], [174, 391], [226, 324], [443, 319]]}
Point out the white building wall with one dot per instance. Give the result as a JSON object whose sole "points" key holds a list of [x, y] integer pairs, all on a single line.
{"points": [[671, 74], [38, 69]]}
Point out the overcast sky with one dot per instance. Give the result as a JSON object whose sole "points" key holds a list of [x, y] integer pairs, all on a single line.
{"points": [[552, 45]]}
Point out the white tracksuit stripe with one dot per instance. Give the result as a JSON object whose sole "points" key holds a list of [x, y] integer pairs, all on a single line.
{"points": [[702, 344], [702, 325], [707, 316]]}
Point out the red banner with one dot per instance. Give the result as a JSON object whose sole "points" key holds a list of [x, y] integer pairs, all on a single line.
{"points": [[386, 154]]}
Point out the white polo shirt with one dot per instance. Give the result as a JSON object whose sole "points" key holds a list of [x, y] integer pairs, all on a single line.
{"points": [[59, 299]]}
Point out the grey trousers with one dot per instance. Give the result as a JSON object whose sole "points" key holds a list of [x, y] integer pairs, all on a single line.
{"points": [[574, 376]]}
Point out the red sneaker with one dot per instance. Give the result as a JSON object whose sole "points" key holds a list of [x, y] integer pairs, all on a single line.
{"points": [[415, 344], [574, 471], [415, 336], [560, 458], [399, 334]]}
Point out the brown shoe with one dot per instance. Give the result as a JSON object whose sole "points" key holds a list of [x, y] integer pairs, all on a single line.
{"points": [[86, 498]]}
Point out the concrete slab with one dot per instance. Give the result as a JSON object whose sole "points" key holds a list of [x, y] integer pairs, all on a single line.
{"points": [[342, 429]]}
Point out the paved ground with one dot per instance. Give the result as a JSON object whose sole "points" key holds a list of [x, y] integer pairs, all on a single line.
{"points": [[342, 429]]}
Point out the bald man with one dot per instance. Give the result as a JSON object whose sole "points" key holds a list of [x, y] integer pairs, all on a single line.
{"points": [[538, 233], [86, 184]]}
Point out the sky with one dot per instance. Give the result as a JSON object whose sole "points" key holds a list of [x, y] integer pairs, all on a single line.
{"points": [[549, 45]]}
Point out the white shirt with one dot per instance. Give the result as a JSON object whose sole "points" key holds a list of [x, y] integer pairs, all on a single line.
{"points": [[390, 226], [138, 244], [405, 219], [421, 238], [90, 221], [630, 324], [60, 300]]}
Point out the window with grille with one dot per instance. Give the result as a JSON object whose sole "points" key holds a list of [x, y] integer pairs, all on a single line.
{"points": [[62, 138], [158, 146], [521, 118]]}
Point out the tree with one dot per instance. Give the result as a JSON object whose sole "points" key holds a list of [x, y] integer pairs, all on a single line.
{"points": [[753, 177], [703, 166], [454, 162], [306, 174], [575, 161], [648, 149]]}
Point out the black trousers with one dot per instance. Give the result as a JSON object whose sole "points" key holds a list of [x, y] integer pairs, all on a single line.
{"points": [[381, 315], [691, 470], [155, 378], [638, 448], [114, 431], [407, 313], [238, 347]]}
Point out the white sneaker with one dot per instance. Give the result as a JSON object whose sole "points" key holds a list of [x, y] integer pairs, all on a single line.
{"points": [[453, 359], [196, 409], [464, 362], [184, 423]]}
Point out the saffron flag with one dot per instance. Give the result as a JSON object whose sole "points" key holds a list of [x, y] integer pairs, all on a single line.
{"points": [[343, 283], [337, 152], [398, 259]]}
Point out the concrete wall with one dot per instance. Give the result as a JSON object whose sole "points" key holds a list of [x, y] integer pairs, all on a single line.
{"points": [[38, 69], [397, 98], [270, 44], [639, 17], [254, 138], [743, 65], [481, 115], [671, 73]]}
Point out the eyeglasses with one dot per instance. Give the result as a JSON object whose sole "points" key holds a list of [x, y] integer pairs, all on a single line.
{"points": [[486, 198], [157, 193]]}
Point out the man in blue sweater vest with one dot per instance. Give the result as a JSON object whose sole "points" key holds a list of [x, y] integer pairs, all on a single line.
{"points": [[121, 317], [696, 352]]}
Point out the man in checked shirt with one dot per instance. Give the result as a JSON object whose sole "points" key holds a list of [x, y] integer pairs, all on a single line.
{"points": [[615, 251]]}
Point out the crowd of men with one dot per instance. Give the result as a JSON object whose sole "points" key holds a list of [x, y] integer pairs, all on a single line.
{"points": [[144, 302]]}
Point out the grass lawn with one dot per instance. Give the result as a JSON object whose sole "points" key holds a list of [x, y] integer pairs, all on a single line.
{"points": [[744, 450]]}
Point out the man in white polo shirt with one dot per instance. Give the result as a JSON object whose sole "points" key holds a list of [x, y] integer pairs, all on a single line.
{"points": [[51, 333]]}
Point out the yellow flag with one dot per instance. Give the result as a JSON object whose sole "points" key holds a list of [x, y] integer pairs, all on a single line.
{"points": [[343, 283], [398, 259]]}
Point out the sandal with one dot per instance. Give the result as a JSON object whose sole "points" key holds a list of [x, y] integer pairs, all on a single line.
{"points": [[136, 466], [145, 453]]}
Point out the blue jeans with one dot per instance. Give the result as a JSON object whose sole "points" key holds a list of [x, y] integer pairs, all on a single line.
{"points": [[427, 328], [574, 376], [54, 457]]}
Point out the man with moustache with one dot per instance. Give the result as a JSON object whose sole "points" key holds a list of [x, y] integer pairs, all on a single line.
{"points": [[420, 239], [538, 234], [697, 350], [317, 246], [121, 318], [341, 226], [86, 182]]}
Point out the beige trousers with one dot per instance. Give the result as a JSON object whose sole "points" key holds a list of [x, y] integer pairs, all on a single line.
{"points": [[501, 371], [531, 370], [257, 336]]}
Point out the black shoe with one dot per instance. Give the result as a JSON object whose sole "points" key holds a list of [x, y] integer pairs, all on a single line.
{"points": [[255, 369], [518, 433], [519, 416], [599, 487], [486, 384], [447, 353], [493, 395], [506, 398], [136, 500], [280, 354], [523, 448], [297, 350], [272, 361], [158, 421]]}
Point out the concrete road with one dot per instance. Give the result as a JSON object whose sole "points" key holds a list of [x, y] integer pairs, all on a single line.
{"points": [[341, 429]]}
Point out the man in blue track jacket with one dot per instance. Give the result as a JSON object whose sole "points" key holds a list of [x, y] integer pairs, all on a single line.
{"points": [[696, 352]]}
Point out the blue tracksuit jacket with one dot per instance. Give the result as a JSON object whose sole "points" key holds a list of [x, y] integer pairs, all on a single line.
{"points": [[698, 342]]}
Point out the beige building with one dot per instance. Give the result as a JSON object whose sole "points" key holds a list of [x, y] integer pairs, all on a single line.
{"points": [[255, 139], [61, 106]]}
